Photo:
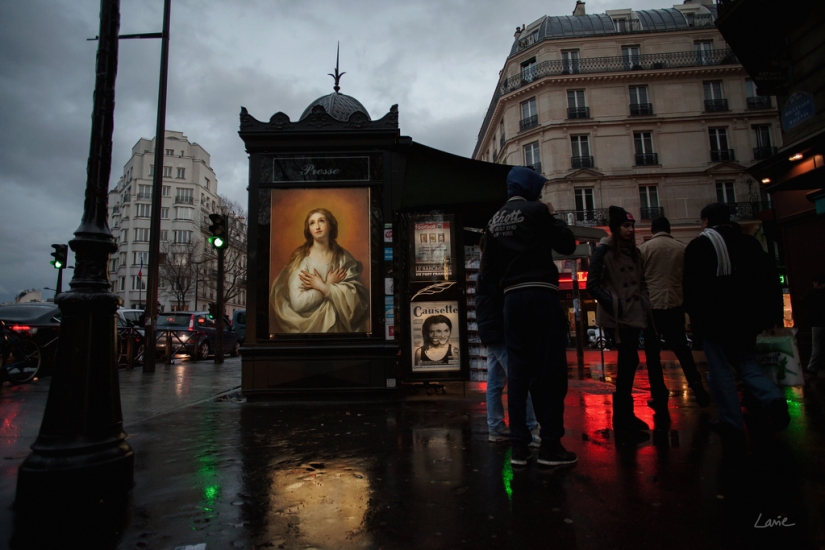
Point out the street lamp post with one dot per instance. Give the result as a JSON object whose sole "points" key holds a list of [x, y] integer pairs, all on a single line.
{"points": [[80, 458]]}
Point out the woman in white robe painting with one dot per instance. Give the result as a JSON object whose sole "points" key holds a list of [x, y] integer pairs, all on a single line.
{"points": [[320, 289]]}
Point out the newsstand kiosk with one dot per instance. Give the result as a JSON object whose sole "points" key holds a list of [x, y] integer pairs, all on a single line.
{"points": [[357, 278]]}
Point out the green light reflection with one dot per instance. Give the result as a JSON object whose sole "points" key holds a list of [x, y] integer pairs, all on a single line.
{"points": [[507, 475]]}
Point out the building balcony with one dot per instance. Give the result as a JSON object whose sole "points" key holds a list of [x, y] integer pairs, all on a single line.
{"points": [[651, 212], [647, 159], [144, 196], [716, 105], [618, 63], [747, 210], [528, 122], [759, 102], [125, 198], [762, 153], [578, 112], [721, 155], [501, 141], [184, 200], [115, 210], [583, 217], [581, 162], [535, 166], [641, 109]]}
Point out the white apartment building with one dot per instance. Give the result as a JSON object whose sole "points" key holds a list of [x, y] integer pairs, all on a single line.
{"points": [[647, 109], [189, 195]]}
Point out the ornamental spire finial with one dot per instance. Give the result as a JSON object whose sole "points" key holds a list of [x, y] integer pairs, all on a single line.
{"points": [[337, 76]]}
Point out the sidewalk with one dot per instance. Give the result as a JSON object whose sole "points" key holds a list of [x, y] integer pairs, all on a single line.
{"points": [[420, 473]]}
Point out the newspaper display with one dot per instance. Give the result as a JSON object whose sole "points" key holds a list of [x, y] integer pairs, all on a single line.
{"points": [[435, 336], [433, 245]]}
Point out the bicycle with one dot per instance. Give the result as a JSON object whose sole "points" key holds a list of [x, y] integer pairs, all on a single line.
{"points": [[20, 358]]}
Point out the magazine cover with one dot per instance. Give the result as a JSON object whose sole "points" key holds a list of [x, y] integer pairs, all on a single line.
{"points": [[435, 336], [432, 245]]}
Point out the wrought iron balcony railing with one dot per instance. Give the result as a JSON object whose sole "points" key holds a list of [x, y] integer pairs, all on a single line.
{"points": [[583, 217], [638, 109], [618, 64], [578, 112], [647, 159], [125, 198], [759, 102], [144, 196], [501, 141], [581, 162], [528, 122], [535, 166], [762, 153], [747, 210], [720, 155], [716, 105], [651, 212], [184, 200]]}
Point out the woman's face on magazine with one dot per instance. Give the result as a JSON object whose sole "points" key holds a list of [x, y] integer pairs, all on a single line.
{"points": [[318, 226], [439, 334]]}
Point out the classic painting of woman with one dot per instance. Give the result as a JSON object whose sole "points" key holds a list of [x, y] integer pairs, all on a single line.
{"points": [[322, 286]]}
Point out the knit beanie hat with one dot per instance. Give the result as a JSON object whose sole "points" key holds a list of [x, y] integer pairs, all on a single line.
{"points": [[617, 216]]}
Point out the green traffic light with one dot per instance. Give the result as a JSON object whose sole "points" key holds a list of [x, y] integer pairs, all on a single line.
{"points": [[217, 242], [57, 264]]}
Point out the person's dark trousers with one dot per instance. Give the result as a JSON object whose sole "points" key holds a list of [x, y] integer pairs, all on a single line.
{"points": [[671, 324], [627, 343], [534, 331]]}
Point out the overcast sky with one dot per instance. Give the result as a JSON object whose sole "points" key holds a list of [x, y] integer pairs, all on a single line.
{"points": [[437, 59]]}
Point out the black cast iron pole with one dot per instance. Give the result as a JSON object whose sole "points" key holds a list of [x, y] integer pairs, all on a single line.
{"points": [[220, 307], [151, 309], [80, 459]]}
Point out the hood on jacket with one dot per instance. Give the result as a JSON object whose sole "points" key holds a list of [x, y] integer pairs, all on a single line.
{"points": [[525, 182]]}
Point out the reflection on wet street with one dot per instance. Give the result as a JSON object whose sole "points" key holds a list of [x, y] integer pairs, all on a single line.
{"points": [[420, 473]]}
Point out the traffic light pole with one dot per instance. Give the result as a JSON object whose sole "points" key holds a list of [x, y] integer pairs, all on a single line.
{"points": [[59, 287], [220, 308], [151, 309]]}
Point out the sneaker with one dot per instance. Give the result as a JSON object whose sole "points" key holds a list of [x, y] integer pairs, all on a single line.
{"points": [[521, 454], [536, 441], [498, 437], [556, 455]]}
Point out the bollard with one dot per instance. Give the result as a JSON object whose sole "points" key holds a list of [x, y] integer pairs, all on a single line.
{"points": [[168, 347], [130, 343]]}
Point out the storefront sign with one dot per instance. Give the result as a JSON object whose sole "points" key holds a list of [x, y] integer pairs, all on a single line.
{"points": [[435, 336], [320, 169]]}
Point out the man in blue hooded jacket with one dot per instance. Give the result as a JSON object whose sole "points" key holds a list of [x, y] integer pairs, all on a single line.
{"points": [[520, 239]]}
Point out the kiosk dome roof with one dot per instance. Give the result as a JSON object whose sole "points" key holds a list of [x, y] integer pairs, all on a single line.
{"points": [[338, 105]]}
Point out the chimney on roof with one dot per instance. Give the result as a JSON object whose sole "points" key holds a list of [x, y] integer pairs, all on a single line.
{"points": [[579, 8]]}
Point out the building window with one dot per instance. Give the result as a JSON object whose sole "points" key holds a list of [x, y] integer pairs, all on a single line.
{"points": [[639, 101], [185, 196], [140, 258], [528, 70], [719, 149], [164, 213], [649, 202], [181, 173], [631, 57], [529, 115], [206, 183], [532, 158], [581, 152], [141, 235], [183, 236], [164, 235], [756, 101], [138, 283], [122, 281], [570, 61], [170, 152], [167, 171], [725, 193], [576, 107], [704, 52], [143, 210], [714, 101], [144, 192], [182, 213], [585, 207], [151, 170], [762, 137], [643, 142], [166, 189]]}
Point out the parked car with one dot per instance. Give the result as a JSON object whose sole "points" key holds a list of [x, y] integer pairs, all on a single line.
{"points": [[193, 333], [39, 321], [131, 316], [239, 322]]}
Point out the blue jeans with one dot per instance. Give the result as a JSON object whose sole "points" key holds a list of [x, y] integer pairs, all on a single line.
{"points": [[817, 362], [535, 331], [496, 379], [723, 365]]}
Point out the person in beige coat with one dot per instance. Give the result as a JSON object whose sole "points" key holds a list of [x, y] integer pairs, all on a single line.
{"points": [[663, 258]]}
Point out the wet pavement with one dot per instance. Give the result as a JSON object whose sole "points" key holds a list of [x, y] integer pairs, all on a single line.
{"points": [[212, 469]]}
